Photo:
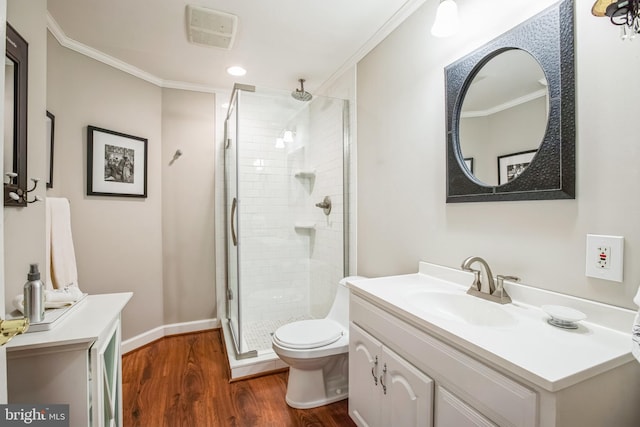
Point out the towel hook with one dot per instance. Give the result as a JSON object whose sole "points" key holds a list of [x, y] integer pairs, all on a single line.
{"points": [[19, 195]]}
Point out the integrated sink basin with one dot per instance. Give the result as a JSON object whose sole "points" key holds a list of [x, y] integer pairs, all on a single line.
{"points": [[461, 307]]}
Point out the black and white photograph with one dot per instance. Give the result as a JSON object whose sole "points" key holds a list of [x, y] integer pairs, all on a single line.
{"points": [[119, 163], [116, 163], [510, 166]]}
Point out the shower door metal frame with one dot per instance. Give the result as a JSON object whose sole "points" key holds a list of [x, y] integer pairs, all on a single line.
{"points": [[229, 222], [346, 185]]}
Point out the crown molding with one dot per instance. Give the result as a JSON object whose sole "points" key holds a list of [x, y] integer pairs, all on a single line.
{"points": [[65, 41], [505, 106], [409, 7], [392, 23]]}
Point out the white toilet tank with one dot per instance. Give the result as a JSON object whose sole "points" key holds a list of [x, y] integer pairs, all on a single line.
{"points": [[340, 307]]}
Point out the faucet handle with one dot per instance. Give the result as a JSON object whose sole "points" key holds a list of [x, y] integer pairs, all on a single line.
{"points": [[500, 292], [500, 278], [477, 284]]}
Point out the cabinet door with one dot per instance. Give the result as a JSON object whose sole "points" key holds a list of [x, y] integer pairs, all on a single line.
{"points": [[364, 377], [453, 412], [407, 393], [106, 410]]}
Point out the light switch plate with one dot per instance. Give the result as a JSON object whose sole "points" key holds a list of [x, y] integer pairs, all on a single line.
{"points": [[605, 256]]}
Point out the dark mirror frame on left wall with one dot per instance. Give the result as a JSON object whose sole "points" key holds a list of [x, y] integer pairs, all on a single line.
{"points": [[17, 50]]}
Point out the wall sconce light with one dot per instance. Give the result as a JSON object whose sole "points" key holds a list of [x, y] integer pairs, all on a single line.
{"points": [[17, 194], [279, 142], [447, 22], [624, 13]]}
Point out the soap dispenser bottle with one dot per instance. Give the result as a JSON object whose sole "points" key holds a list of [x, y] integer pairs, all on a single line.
{"points": [[34, 296]]}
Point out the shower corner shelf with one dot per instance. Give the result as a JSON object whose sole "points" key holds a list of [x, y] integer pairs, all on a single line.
{"points": [[305, 225], [305, 173]]}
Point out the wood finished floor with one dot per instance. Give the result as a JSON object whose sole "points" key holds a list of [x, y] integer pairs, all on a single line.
{"points": [[183, 381]]}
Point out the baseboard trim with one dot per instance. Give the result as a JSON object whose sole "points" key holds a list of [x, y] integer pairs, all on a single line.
{"points": [[166, 330]]}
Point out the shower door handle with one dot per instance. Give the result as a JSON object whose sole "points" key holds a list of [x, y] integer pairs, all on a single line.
{"points": [[234, 206]]}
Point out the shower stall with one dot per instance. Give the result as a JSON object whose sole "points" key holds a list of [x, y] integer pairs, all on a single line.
{"points": [[286, 214]]}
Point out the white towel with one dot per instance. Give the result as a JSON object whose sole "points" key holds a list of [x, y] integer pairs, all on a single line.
{"points": [[635, 330], [56, 298], [63, 270]]}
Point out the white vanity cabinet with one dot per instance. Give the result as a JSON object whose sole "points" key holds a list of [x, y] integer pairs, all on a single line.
{"points": [[453, 412], [77, 363], [385, 389], [454, 372], [458, 378]]}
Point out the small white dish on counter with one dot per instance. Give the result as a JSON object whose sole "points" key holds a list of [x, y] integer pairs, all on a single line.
{"points": [[563, 317]]}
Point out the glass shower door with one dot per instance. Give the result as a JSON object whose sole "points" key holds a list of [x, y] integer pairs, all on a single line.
{"points": [[233, 241], [285, 256], [231, 211]]}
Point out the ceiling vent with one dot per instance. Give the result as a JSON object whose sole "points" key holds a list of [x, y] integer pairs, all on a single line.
{"points": [[208, 27]]}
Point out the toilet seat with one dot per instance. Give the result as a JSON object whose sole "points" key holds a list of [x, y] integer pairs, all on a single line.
{"points": [[307, 334]]}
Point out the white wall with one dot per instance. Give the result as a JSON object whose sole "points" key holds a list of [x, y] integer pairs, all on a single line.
{"points": [[24, 227], [403, 217], [188, 194], [516, 129], [118, 240]]}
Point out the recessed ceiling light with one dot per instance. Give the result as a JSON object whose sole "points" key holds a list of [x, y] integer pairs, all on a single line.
{"points": [[236, 70]]}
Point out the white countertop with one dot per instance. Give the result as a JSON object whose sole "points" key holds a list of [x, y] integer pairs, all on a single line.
{"points": [[82, 325], [529, 347]]}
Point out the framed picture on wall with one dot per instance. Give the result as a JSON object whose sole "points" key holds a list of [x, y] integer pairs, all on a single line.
{"points": [[51, 121], [116, 164], [510, 166]]}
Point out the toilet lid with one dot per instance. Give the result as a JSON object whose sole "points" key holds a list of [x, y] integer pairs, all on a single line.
{"points": [[308, 333]]}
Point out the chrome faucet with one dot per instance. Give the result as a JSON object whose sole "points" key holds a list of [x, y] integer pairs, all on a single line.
{"points": [[486, 287], [478, 284]]}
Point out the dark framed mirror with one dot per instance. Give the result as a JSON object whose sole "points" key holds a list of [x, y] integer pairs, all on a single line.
{"points": [[15, 103], [511, 107]]}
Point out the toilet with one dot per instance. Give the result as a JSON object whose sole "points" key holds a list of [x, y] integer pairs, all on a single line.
{"points": [[317, 352]]}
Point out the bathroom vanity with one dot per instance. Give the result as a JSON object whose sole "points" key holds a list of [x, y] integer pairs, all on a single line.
{"points": [[423, 352], [77, 363]]}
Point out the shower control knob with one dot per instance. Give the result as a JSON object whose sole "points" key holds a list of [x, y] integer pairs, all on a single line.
{"points": [[325, 205]]}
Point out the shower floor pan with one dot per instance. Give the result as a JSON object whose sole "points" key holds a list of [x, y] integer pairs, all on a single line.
{"points": [[258, 337]]}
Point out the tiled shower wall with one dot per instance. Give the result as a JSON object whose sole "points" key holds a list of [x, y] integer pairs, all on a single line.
{"points": [[286, 271], [325, 152]]}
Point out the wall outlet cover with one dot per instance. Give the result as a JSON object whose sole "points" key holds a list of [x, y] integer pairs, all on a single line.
{"points": [[605, 255]]}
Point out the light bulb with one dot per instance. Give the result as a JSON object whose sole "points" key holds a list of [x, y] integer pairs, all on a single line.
{"points": [[446, 23]]}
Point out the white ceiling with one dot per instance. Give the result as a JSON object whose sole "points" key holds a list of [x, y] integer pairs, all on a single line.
{"points": [[277, 41]]}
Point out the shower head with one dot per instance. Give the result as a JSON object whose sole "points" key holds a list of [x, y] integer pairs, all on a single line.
{"points": [[301, 94]]}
